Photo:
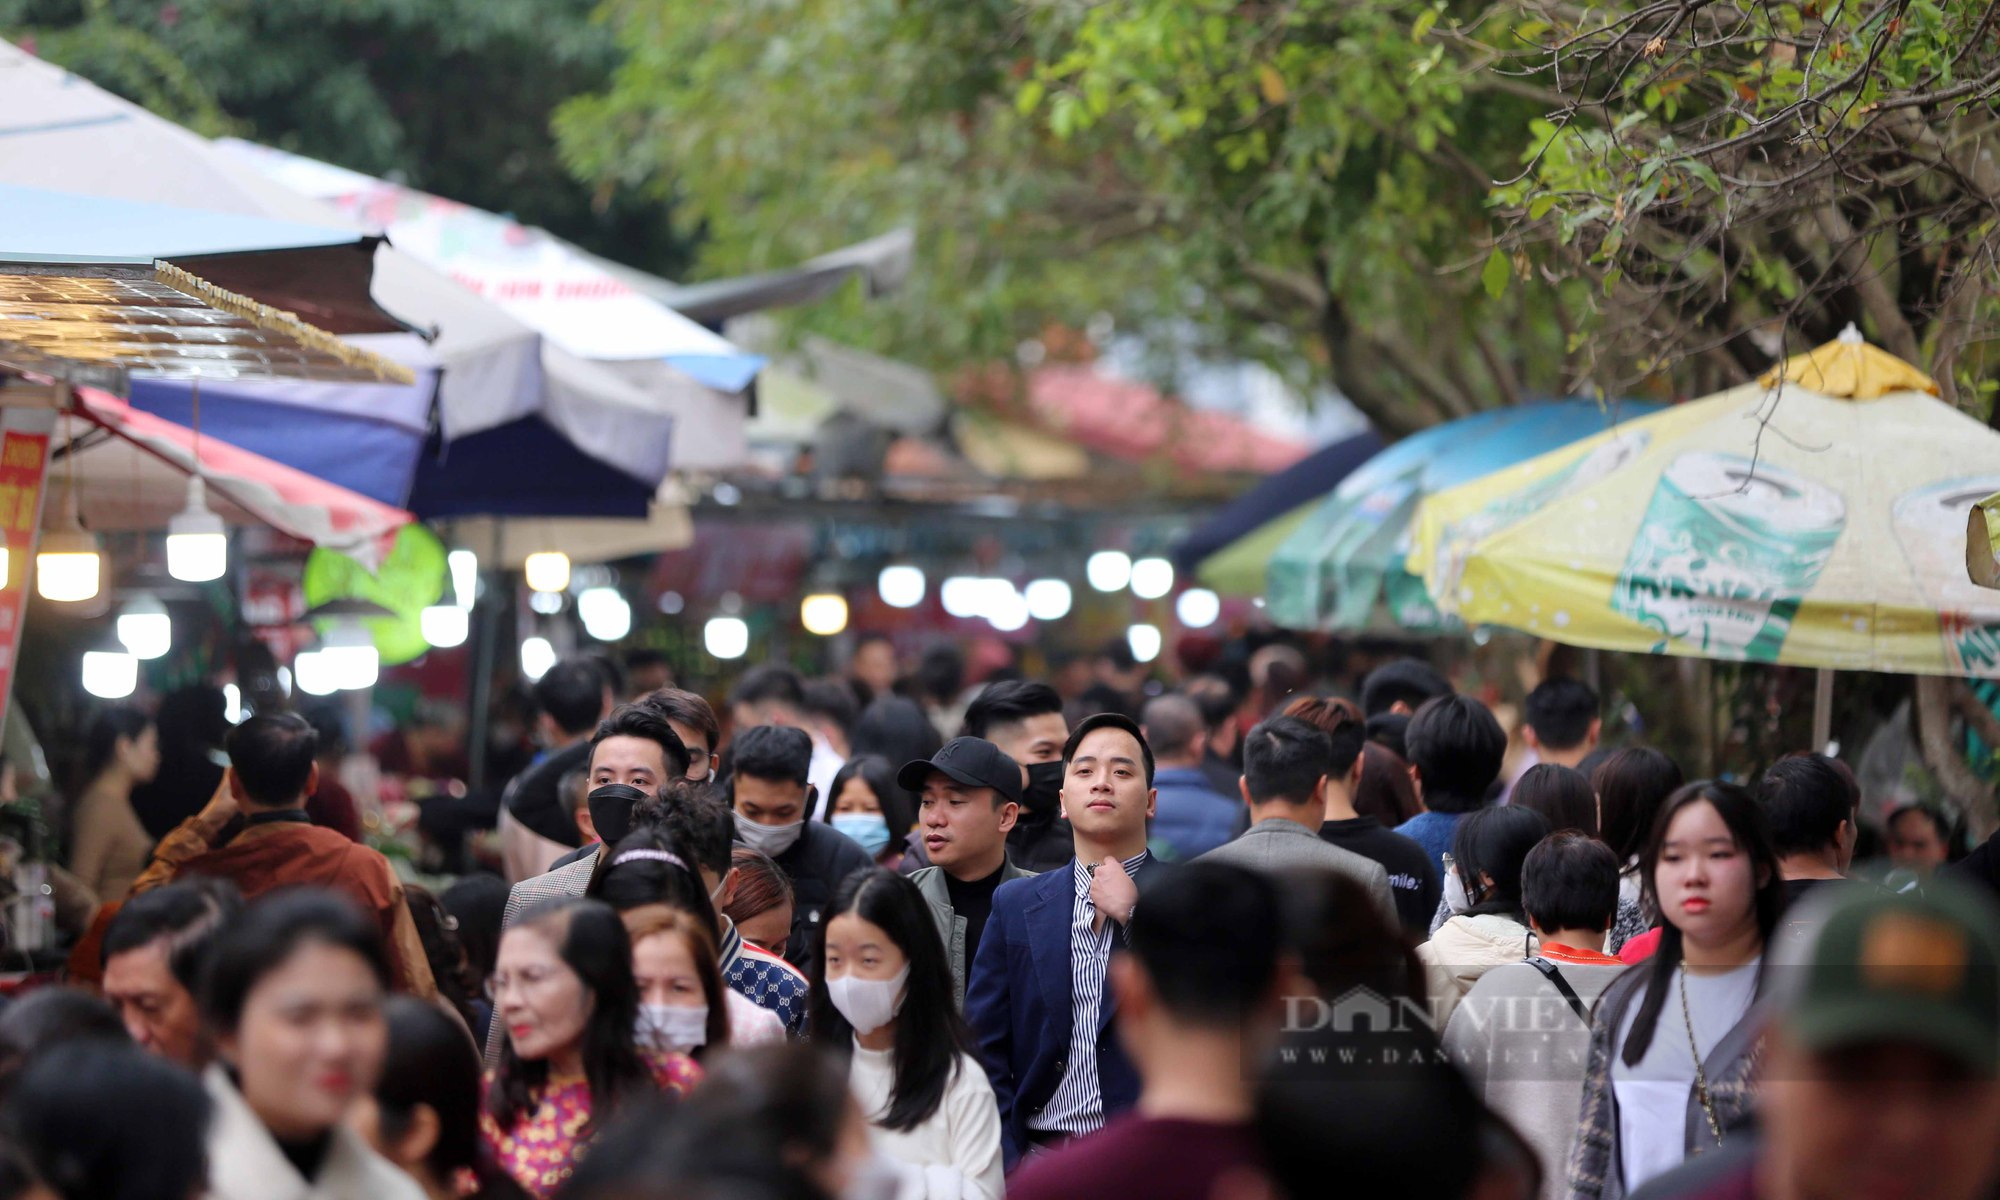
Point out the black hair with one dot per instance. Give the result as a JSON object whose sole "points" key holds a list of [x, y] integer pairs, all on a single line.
{"points": [[931, 1038], [1631, 785], [266, 936], [1805, 799], [644, 721], [833, 701], [1493, 843], [449, 966], [776, 753], [941, 672], [1941, 821], [430, 1062], [869, 636], [1215, 696], [632, 873], [686, 708], [271, 755], [697, 819], [1284, 758], [897, 729], [186, 915], [1387, 730], [1748, 824], [1559, 793], [572, 694], [1118, 652], [646, 657], [1456, 747], [53, 1016], [768, 682], [1570, 881], [1107, 720], [1006, 703], [897, 811], [103, 1121], [1208, 939], [1340, 721], [590, 938], [1560, 712], [112, 723], [478, 902], [1407, 681]]}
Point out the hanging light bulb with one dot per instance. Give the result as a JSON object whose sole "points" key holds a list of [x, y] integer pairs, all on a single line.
{"points": [[350, 655], [313, 674], [197, 547], [606, 614], [1008, 611], [232, 704], [1145, 642], [1152, 578], [726, 637], [69, 565], [145, 628], [1198, 608], [537, 656], [1048, 599], [444, 625], [1109, 570], [901, 586], [110, 674], [464, 566], [547, 570], [5, 565], [961, 595], [824, 614]]}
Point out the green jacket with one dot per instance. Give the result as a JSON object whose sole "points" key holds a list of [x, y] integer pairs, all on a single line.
{"points": [[951, 926]]}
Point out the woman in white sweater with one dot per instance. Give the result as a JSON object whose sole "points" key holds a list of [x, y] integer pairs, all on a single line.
{"points": [[882, 992], [1484, 890]]}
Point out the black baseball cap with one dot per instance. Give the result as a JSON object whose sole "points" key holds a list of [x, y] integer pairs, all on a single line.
{"points": [[974, 762]]}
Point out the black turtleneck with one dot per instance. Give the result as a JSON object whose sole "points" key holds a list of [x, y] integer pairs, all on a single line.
{"points": [[974, 902]]}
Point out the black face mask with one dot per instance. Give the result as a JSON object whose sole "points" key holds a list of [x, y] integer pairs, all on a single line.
{"points": [[611, 810], [1043, 795]]}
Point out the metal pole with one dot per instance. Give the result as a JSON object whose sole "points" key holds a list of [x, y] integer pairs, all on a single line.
{"points": [[1822, 709]]}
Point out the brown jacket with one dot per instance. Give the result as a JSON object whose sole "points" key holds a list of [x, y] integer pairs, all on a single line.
{"points": [[263, 858]]}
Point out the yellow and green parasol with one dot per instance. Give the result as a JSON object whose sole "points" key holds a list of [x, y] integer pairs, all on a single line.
{"points": [[1814, 517]]}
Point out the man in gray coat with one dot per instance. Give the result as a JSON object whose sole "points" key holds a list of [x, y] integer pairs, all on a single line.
{"points": [[970, 796], [1285, 767]]}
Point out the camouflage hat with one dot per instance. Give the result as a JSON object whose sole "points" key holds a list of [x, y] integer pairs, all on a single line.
{"points": [[1910, 968]]}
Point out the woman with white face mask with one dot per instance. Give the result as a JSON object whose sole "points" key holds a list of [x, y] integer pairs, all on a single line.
{"points": [[682, 1005], [882, 993]]}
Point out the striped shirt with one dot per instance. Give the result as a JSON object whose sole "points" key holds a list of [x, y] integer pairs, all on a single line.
{"points": [[1077, 1107]]}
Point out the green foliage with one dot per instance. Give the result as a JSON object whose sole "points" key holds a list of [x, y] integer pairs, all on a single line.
{"points": [[1300, 183], [453, 96]]}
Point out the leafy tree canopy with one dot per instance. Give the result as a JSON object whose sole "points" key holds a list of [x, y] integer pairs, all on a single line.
{"points": [[452, 96]]}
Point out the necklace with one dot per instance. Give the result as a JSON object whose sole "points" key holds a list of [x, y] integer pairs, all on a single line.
{"points": [[1700, 1076]]}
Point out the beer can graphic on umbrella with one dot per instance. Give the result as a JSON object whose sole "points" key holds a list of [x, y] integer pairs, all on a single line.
{"points": [[1930, 527], [1726, 553]]}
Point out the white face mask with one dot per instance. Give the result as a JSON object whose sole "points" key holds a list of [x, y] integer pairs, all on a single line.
{"points": [[771, 839], [671, 1027], [868, 1004], [1455, 898]]}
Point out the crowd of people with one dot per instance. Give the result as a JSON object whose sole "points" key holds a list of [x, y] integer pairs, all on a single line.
{"points": [[1200, 944]]}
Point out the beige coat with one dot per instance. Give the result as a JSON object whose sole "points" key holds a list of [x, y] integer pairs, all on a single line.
{"points": [[245, 1163], [1463, 949]]}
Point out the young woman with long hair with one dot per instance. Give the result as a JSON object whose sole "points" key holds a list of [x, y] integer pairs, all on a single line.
{"points": [[109, 846], [1673, 1043], [882, 993], [564, 993]]}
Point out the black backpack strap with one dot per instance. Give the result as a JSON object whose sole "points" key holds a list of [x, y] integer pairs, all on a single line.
{"points": [[1556, 980]]}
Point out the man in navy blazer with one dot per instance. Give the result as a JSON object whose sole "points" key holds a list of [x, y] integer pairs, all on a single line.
{"points": [[1037, 1000]]}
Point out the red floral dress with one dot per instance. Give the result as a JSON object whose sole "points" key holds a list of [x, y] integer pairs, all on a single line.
{"points": [[544, 1144]]}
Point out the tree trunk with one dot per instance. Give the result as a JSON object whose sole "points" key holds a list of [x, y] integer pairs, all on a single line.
{"points": [[1934, 711]]}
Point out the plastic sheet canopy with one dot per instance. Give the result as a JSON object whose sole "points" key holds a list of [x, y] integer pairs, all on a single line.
{"points": [[99, 324]]}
